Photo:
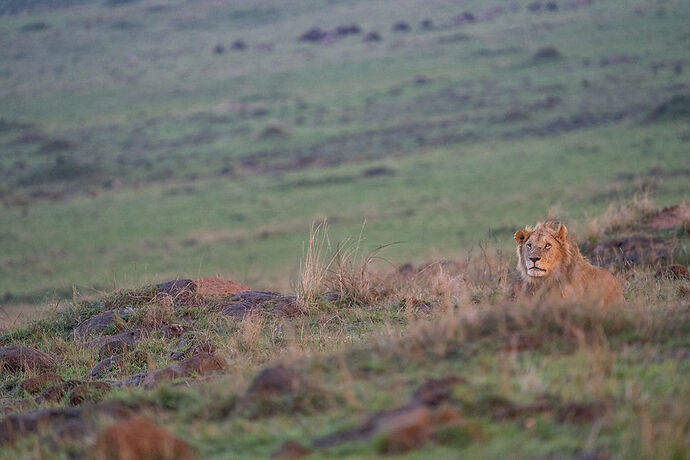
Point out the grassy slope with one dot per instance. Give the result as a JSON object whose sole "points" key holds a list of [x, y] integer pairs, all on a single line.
{"points": [[135, 93]]}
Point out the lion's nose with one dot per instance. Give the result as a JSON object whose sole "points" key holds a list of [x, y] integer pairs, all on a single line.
{"points": [[534, 259]]}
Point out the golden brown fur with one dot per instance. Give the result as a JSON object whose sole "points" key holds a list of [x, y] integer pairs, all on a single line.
{"points": [[551, 268]]}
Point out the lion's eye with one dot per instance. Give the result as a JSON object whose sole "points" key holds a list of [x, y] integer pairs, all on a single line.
{"points": [[548, 246]]}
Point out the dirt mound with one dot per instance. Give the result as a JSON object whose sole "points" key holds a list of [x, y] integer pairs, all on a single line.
{"points": [[198, 365], [672, 272], [139, 438], [218, 287], [18, 357], [39, 383], [671, 217], [634, 249]]}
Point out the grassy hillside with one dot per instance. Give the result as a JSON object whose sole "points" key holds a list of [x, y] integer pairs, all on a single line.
{"points": [[138, 145]]}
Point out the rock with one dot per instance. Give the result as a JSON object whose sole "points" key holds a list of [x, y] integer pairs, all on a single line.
{"points": [[672, 272], [238, 45], [133, 381], [426, 24], [435, 391], [18, 425], [19, 357], [197, 365], [405, 430], [193, 350], [251, 301], [139, 438], [118, 344], [291, 450], [170, 331], [351, 29], [315, 34], [219, 49], [218, 287], [99, 323], [57, 393], [275, 380], [105, 366], [401, 26], [39, 383], [88, 391], [373, 36]]}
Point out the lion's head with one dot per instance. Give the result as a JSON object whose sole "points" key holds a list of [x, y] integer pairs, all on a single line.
{"points": [[545, 250]]}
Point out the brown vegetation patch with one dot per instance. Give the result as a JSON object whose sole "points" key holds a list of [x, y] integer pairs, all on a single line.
{"points": [[218, 287], [672, 272], [18, 357], [672, 217], [139, 438], [39, 383]]}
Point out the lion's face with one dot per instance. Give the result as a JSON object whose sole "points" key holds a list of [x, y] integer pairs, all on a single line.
{"points": [[540, 251]]}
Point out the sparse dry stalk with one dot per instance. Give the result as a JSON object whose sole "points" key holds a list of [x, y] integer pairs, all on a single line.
{"points": [[314, 266]]}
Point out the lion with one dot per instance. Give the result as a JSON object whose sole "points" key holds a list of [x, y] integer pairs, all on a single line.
{"points": [[552, 269]]}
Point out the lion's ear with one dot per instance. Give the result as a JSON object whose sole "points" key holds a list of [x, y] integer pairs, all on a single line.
{"points": [[562, 232], [522, 235]]}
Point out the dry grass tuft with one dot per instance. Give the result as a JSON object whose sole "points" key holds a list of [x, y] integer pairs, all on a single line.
{"points": [[622, 217]]}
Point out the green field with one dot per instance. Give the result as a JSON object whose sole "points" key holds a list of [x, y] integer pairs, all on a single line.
{"points": [[149, 140], [131, 151]]}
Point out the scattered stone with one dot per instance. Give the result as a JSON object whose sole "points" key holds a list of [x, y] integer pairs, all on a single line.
{"points": [[426, 24], [379, 171], [99, 323], [238, 45], [672, 272], [275, 380], [405, 430], [171, 331], [140, 438], [373, 37], [218, 287], [193, 350], [270, 302], [435, 391], [39, 383], [547, 53], [315, 34], [291, 450], [19, 357], [105, 366], [118, 344], [88, 391], [197, 365], [219, 49], [551, 6], [463, 18], [133, 381], [57, 393], [351, 29], [534, 6], [401, 26], [15, 426]]}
